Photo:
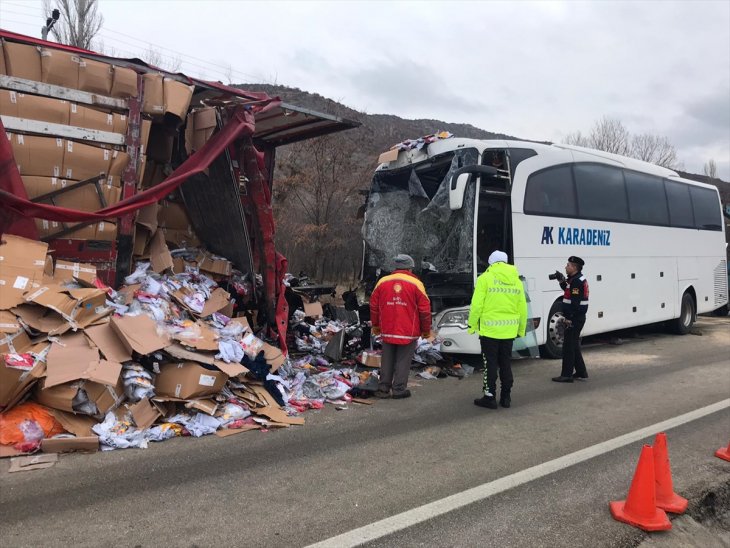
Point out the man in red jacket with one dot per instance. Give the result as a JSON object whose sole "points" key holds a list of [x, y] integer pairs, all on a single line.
{"points": [[400, 312]]}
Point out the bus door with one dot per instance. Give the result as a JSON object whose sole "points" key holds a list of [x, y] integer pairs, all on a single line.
{"points": [[494, 212]]}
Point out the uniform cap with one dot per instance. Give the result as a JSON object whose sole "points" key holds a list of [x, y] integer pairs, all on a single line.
{"points": [[498, 257], [576, 260]]}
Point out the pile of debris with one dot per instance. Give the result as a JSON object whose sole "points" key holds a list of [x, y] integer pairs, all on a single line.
{"points": [[85, 367]]}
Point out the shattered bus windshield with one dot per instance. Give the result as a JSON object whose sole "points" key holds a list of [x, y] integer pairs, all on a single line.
{"points": [[408, 212]]}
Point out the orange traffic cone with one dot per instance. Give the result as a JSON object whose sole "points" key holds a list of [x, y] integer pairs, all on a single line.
{"points": [[666, 498], [639, 509], [723, 452]]}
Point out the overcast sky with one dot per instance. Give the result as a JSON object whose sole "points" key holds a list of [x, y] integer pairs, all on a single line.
{"points": [[535, 70]]}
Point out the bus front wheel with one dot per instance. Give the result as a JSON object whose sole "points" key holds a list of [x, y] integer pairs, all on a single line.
{"points": [[683, 324], [553, 347]]}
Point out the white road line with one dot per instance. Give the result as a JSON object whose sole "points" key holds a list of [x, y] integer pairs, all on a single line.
{"points": [[431, 510]]}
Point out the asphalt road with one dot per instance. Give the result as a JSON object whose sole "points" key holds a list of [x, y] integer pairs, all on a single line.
{"points": [[347, 469]]}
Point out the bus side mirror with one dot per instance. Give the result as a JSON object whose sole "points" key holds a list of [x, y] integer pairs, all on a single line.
{"points": [[460, 179], [456, 194]]}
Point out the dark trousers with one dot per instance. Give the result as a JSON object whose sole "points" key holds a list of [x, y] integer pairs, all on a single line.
{"points": [[572, 355], [497, 356], [395, 364]]}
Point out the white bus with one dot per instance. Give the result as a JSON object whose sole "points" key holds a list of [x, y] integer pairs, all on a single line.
{"points": [[653, 243]]}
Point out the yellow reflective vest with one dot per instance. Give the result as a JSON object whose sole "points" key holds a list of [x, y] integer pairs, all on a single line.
{"points": [[498, 306]]}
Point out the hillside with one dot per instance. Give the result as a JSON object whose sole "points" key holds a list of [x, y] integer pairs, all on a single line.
{"points": [[381, 131]]}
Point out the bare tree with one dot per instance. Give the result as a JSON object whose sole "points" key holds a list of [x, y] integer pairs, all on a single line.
{"points": [[79, 23], [315, 202], [153, 57], [577, 139], [711, 169], [610, 135], [655, 149]]}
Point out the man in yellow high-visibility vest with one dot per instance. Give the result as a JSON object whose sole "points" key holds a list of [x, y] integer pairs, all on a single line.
{"points": [[499, 314]]}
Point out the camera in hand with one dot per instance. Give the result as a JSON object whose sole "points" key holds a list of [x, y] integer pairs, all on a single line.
{"points": [[557, 275]]}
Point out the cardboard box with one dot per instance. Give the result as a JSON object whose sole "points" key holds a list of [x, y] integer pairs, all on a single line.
{"points": [[66, 397], [141, 167], [83, 162], [230, 369], [370, 359], [67, 271], [121, 123], [139, 334], [8, 322], [40, 156], [201, 123], [313, 310], [181, 238], [79, 425], [95, 76], [73, 358], [39, 318], [9, 102], [144, 137], [86, 444], [79, 307], [160, 256], [388, 156], [147, 217], [90, 118], [60, 68], [177, 97], [83, 197], [119, 162], [214, 265], [188, 380], [34, 107], [22, 61], [274, 356], [12, 343], [124, 82], [14, 382], [21, 265], [143, 413], [108, 342], [218, 300], [154, 94], [73, 365], [3, 70], [104, 231], [173, 215]]}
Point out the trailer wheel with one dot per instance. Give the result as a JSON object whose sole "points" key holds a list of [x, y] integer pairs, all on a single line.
{"points": [[687, 315], [553, 347]]}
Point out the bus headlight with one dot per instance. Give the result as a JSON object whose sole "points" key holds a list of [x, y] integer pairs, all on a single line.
{"points": [[455, 318]]}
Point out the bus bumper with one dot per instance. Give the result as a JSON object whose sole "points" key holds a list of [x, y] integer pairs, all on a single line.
{"points": [[456, 340]]}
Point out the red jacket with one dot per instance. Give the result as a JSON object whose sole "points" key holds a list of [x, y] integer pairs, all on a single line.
{"points": [[400, 308]]}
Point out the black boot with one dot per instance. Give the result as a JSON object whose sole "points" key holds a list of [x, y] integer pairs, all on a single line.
{"points": [[490, 402], [504, 399]]}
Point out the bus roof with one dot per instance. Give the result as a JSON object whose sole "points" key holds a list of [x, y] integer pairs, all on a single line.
{"points": [[414, 156]]}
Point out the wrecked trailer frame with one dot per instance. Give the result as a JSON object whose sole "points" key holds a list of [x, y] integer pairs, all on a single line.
{"points": [[243, 225]]}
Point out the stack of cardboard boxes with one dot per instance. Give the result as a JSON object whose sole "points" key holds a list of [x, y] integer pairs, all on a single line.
{"points": [[49, 162]]}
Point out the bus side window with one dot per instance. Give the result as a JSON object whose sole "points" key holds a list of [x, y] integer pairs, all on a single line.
{"points": [[551, 192], [680, 206], [647, 200]]}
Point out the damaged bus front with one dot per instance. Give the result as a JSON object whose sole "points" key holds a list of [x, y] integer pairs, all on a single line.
{"points": [[409, 210]]}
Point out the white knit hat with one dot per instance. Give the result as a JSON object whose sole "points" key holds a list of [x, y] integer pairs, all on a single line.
{"points": [[498, 257], [404, 261]]}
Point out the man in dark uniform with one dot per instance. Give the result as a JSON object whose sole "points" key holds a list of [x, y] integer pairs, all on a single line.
{"points": [[575, 307]]}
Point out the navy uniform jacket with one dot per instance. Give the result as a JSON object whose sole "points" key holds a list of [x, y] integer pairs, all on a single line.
{"points": [[575, 297]]}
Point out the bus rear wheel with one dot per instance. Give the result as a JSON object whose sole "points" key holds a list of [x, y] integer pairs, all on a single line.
{"points": [[553, 347], [683, 324]]}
